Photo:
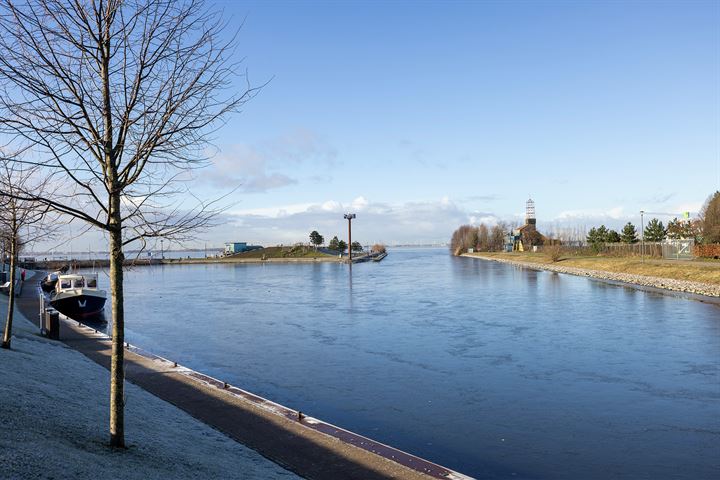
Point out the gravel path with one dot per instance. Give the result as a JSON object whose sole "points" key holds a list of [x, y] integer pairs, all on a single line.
{"points": [[54, 423], [698, 288]]}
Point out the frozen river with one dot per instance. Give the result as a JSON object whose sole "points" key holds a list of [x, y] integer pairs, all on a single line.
{"points": [[495, 371]]}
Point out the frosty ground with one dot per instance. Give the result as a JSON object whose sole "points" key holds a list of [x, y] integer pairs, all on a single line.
{"points": [[54, 418]]}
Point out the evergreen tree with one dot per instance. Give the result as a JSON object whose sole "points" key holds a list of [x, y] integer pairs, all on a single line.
{"points": [[334, 244], [597, 236], [356, 247], [592, 236], [613, 237], [655, 231], [629, 234], [342, 245]]}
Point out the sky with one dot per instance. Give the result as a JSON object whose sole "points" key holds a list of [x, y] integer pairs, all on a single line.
{"points": [[421, 116]]}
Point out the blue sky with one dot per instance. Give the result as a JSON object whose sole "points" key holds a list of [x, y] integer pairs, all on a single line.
{"points": [[428, 114], [420, 116]]}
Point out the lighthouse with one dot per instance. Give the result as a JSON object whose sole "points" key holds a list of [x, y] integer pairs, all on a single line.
{"points": [[530, 212], [527, 236]]}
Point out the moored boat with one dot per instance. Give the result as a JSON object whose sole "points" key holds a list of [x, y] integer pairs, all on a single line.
{"points": [[77, 295], [48, 283]]}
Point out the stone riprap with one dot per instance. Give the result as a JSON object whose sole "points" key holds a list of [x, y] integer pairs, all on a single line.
{"points": [[685, 286]]}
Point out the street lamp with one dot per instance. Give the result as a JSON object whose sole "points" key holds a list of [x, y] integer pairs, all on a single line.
{"points": [[349, 217], [642, 236]]}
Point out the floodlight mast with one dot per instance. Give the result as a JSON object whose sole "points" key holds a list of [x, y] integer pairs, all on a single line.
{"points": [[349, 217]]}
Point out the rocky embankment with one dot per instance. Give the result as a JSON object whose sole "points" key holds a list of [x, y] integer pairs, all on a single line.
{"points": [[686, 286]]}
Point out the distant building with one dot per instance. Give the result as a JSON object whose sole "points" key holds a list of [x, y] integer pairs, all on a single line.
{"points": [[235, 247], [527, 236], [239, 247]]}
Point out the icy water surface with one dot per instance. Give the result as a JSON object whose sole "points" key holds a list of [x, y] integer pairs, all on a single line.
{"points": [[495, 371]]}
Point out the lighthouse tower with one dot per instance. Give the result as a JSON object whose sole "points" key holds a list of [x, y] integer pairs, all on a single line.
{"points": [[530, 212]]}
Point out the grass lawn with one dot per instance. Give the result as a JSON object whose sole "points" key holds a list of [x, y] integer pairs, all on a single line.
{"points": [[280, 252], [707, 271]]}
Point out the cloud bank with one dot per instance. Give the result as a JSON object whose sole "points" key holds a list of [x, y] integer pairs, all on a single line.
{"points": [[419, 222]]}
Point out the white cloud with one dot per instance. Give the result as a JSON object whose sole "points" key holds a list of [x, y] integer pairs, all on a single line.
{"points": [[272, 212], [331, 206], [614, 213], [359, 204], [489, 220], [264, 166], [410, 222]]}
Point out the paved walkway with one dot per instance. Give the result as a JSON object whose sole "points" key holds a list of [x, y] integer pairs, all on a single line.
{"points": [[54, 409], [307, 446]]}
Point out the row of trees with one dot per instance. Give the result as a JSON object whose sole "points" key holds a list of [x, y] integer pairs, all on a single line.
{"points": [[704, 229], [336, 245], [601, 234], [480, 238]]}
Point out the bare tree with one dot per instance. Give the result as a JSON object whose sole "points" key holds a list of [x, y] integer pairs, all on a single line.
{"points": [[483, 238], [18, 217], [497, 236], [118, 100]]}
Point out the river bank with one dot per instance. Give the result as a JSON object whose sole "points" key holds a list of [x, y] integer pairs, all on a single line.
{"points": [[54, 417], [674, 284]]}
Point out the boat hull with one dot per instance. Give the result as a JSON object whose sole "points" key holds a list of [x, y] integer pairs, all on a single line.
{"points": [[78, 306]]}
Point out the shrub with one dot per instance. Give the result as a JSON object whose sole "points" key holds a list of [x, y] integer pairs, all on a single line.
{"points": [[711, 250], [378, 248], [554, 252]]}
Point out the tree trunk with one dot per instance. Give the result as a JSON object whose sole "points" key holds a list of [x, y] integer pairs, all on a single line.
{"points": [[7, 337], [117, 366]]}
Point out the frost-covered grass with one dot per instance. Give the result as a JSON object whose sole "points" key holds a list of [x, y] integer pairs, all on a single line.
{"points": [[54, 423]]}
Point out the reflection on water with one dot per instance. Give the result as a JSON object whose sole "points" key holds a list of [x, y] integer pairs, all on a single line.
{"points": [[493, 370]]}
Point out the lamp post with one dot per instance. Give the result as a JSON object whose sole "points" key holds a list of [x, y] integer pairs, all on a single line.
{"points": [[349, 217], [642, 236]]}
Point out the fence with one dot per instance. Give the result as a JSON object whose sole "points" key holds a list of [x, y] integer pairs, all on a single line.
{"points": [[649, 249], [671, 249], [678, 249]]}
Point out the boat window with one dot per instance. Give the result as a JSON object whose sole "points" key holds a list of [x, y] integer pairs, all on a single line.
{"points": [[79, 283], [92, 282], [65, 284]]}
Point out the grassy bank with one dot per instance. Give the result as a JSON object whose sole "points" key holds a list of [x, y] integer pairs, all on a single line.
{"points": [[281, 252], [706, 271], [270, 254]]}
